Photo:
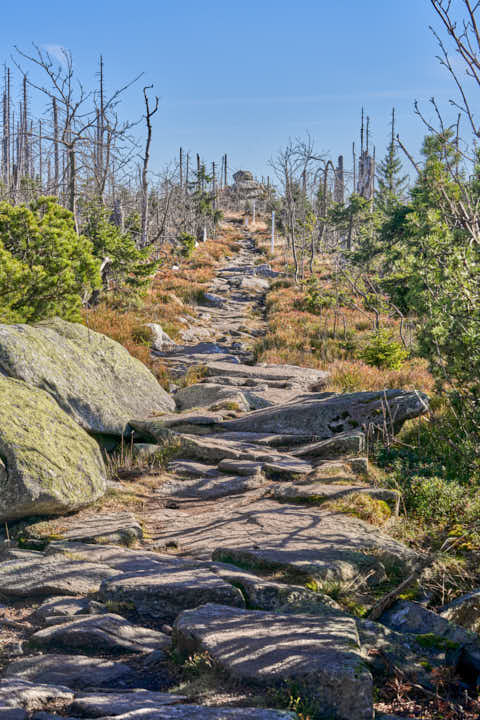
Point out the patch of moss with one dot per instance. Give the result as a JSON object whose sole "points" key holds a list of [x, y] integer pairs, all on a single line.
{"points": [[435, 642]]}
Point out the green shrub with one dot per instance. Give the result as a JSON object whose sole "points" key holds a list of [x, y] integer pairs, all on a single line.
{"points": [[130, 268], [316, 299], [435, 498], [384, 352], [186, 245], [45, 266]]}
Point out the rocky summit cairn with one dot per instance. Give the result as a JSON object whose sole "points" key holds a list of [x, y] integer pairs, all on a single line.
{"points": [[225, 574]]}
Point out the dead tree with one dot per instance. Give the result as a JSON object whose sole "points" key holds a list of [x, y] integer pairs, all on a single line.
{"points": [[149, 113], [75, 117]]}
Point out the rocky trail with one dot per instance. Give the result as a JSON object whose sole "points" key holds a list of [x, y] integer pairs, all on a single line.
{"points": [[228, 565]]}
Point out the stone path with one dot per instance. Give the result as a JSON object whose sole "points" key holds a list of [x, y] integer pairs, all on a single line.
{"points": [[237, 548]]}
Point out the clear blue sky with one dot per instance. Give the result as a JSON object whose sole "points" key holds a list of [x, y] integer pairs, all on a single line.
{"points": [[243, 77]]}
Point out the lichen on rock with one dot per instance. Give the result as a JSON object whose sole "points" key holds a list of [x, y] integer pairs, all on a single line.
{"points": [[93, 378], [51, 464]]}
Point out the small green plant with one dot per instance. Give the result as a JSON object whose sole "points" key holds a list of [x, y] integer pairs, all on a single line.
{"points": [[142, 335], [186, 245], [198, 663], [384, 352], [316, 299]]}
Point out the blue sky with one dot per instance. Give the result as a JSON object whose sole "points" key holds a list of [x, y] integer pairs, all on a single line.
{"points": [[243, 77]]}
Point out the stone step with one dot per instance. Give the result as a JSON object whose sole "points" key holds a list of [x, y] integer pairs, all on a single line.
{"points": [[269, 649]]}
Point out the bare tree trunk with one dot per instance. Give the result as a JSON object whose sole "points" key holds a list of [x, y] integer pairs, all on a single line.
{"points": [[148, 118], [26, 151], [72, 176], [6, 130], [56, 166], [101, 169], [40, 156]]}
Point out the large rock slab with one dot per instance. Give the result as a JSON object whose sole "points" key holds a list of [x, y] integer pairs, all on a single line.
{"points": [[121, 528], [106, 633], [342, 445], [214, 449], [72, 671], [210, 488], [214, 394], [322, 658], [93, 378], [307, 541], [200, 712], [306, 377], [325, 417], [120, 559], [207, 394], [50, 465], [264, 594], [116, 703], [160, 597], [67, 607], [18, 693], [50, 576], [318, 492]]}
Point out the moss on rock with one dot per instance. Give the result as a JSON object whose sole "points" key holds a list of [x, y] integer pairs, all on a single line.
{"points": [[93, 378], [51, 464]]}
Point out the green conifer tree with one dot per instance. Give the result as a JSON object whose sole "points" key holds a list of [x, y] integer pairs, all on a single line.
{"points": [[392, 184]]}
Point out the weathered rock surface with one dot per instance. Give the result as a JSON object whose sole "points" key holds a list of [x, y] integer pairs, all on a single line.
{"points": [[122, 528], [319, 492], [210, 488], [464, 611], [93, 378], [189, 468], [213, 394], [15, 693], [200, 712], [51, 465], [72, 671], [160, 597], [305, 377], [157, 429], [261, 533], [214, 449], [50, 576], [116, 703], [411, 617], [67, 607], [322, 659], [342, 445], [252, 284], [160, 339], [324, 418], [106, 633], [264, 594], [120, 559]]}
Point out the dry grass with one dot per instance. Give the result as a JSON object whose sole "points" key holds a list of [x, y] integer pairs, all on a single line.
{"points": [[172, 296], [331, 340]]}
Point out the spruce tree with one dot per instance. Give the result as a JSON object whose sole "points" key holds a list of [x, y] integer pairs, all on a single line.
{"points": [[392, 185]]}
